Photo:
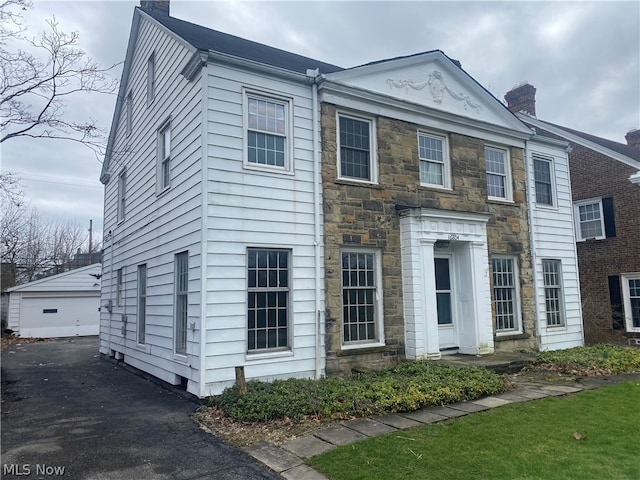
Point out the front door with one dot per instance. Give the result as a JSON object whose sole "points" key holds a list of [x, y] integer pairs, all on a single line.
{"points": [[445, 304]]}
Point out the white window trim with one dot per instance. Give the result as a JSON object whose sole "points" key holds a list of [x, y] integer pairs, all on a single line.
{"points": [[518, 304], [121, 197], [166, 125], [141, 317], [626, 300], [288, 141], [180, 355], [380, 341], [373, 150], [129, 113], [446, 160], [151, 78], [508, 178], [552, 174], [120, 287], [563, 310], [576, 218]]}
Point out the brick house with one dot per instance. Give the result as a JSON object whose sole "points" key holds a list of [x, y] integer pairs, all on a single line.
{"points": [[605, 185]]}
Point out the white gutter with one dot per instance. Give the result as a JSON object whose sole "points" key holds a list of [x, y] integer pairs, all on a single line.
{"points": [[204, 162], [315, 76]]}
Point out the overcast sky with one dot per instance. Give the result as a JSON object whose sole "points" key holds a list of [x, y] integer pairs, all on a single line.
{"points": [[583, 58]]}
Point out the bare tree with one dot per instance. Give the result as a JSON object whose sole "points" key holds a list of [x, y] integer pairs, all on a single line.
{"points": [[66, 239], [40, 77]]}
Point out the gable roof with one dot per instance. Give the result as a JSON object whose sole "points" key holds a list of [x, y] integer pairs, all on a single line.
{"points": [[73, 280], [205, 39], [618, 151]]}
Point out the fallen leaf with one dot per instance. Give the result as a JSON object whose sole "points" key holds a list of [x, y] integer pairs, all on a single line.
{"points": [[577, 436]]}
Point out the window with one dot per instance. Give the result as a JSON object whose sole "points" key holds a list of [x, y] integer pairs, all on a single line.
{"points": [[181, 301], [631, 292], [551, 271], [142, 303], [594, 219], [49, 310], [268, 299], [498, 173], [505, 295], [589, 219], [164, 157], [355, 148], [267, 128], [434, 160], [119, 287], [151, 78], [361, 308], [129, 113], [122, 187], [542, 170]]}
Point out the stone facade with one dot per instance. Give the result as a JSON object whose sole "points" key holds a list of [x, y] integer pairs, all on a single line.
{"points": [[366, 215]]}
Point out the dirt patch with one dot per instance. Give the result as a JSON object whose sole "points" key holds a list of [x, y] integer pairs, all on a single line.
{"points": [[11, 340], [242, 434]]}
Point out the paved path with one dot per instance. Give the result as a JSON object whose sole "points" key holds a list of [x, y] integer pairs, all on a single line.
{"points": [[288, 459], [63, 406]]}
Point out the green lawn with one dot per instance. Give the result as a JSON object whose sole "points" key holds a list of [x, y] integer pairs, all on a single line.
{"points": [[533, 440]]}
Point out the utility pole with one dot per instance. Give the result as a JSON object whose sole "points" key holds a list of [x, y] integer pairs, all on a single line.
{"points": [[90, 236]]}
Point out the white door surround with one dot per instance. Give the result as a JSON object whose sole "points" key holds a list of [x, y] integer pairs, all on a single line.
{"points": [[424, 234]]}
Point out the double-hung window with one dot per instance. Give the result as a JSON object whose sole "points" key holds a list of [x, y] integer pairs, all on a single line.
{"points": [[498, 173], [505, 294], [122, 191], [434, 160], [552, 277], [355, 149], [142, 303], [164, 157], [267, 132], [129, 113], [361, 305], [268, 317], [631, 294], [181, 302], [543, 174], [589, 218]]}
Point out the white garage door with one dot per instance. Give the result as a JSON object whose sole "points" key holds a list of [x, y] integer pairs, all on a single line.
{"points": [[43, 317]]}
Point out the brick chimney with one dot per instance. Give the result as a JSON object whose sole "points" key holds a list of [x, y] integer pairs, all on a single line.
{"points": [[633, 138], [155, 6], [522, 98]]}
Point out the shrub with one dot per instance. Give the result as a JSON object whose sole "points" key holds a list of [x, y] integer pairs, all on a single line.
{"points": [[406, 387], [591, 360]]}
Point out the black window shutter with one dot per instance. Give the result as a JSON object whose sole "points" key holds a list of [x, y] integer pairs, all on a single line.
{"points": [[615, 296], [609, 218]]}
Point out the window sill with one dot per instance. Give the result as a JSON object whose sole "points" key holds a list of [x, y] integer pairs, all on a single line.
{"points": [[546, 207], [439, 188], [274, 170], [501, 201], [505, 337], [363, 349], [163, 191], [590, 239], [356, 183], [267, 355]]}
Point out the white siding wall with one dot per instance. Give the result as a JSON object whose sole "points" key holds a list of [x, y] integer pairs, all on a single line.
{"points": [[553, 238], [249, 208], [156, 227]]}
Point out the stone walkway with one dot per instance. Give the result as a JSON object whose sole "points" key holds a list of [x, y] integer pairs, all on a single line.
{"points": [[288, 458]]}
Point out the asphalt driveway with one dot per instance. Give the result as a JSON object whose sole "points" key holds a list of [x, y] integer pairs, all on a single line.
{"points": [[66, 409]]}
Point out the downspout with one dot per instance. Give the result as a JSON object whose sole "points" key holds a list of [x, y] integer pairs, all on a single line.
{"points": [[315, 78], [534, 266], [204, 161], [109, 305]]}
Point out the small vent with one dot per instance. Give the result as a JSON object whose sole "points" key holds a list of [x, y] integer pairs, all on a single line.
{"points": [[634, 342]]}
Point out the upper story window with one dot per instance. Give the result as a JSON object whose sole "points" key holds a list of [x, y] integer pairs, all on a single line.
{"points": [[498, 173], [268, 132], [164, 157], [594, 219], [129, 113], [433, 153], [151, 78], [543, 173], [122, 200], [356, 149]]}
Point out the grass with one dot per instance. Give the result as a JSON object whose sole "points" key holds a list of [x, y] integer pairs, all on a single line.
{"points": [[534, 440]]}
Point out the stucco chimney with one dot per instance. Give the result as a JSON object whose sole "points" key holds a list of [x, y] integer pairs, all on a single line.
{"points": [[633, 138], [156, 6], [522, 98]]}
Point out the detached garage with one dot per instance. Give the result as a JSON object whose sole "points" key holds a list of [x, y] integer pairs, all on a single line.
{"points": [[63, 305]]}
